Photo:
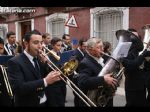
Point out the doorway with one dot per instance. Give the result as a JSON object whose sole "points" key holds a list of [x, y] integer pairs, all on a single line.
{"points": [[25, 27]]}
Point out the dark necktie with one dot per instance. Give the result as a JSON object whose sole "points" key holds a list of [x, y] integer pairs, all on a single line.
{"points": [[37, 69], [12, 50]]}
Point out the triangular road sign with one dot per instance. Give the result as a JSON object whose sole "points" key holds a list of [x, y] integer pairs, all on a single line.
{"points": [[71, 22]]}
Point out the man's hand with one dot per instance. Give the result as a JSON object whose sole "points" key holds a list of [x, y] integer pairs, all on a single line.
{"points": [[52, 77], [146, 53], [110, 80]]}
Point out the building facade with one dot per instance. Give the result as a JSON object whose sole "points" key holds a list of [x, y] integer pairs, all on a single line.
{"points": [[100, 22]]}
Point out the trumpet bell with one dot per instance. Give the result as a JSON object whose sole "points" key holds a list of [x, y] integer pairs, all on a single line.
{"points": [[69, 67]]}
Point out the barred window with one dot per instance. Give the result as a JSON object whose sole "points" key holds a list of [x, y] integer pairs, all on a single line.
{"points": [[55, 24], [57, 27], [3, 31], [107, 24]]}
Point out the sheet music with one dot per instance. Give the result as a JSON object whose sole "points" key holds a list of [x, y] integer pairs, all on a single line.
{"points": [[121, 50]]}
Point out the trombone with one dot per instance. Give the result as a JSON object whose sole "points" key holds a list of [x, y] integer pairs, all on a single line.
{"points": [[6, 80], [67, 69], [51, 52]]}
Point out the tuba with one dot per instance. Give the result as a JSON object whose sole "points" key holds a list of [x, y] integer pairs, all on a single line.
{"points": [[103, 94]]}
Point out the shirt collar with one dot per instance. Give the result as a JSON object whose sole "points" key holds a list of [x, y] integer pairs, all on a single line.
{"points": [[80, 51], [9, 45], [28, 55], [99, 60]]}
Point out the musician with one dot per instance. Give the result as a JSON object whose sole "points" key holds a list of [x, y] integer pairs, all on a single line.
{"points": [[5, 99], [46, 41], [2, 50], [10, 46], [57, 91], [66, 45], [147, 75], [107, 50], [90, 67], [135, 90], [79, 54], [26, 73]]}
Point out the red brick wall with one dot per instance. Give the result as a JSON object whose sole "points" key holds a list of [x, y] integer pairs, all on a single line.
{"points": [[39, 11], [40, 24], [138, 17], [83, 20], [11, 27]]}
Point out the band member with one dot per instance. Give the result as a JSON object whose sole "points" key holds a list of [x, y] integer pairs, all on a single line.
{"points": [[147, 74], [90, 67], [46, 41], [107, 50], [26, 73], [79, 54], [5, 99], [2, 49], [135, 90], [66, 45], [57, 91], [10, 46]]}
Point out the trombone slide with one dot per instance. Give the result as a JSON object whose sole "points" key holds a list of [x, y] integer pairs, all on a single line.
{"points": [[52, 53]]}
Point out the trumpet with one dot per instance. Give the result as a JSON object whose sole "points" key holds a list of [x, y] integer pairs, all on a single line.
{"points": [[5, 76], [68, 69]]}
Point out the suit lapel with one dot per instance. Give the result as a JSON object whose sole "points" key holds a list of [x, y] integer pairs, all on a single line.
{"points": [[29, 65], [95, 62]]}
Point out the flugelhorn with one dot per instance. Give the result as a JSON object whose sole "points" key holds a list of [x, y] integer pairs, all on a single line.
{"points": [[68, 68]]}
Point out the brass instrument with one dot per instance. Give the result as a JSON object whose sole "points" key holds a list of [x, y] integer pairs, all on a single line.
{"points": [[6, 80], [68, 68], [52, 53], [101, 95], [146, 42]]}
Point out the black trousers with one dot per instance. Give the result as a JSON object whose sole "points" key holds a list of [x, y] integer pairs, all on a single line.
{"points": [[56, 95], [5, 100], [135, 98], [43, 104]]}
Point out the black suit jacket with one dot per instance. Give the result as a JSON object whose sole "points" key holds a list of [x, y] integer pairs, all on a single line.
{"points": [[134, 76], [147, 73], [26, 84], [88, 79], [77, 54]]}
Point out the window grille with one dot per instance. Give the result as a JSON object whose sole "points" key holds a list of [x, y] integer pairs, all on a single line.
{"points": [[57, 28], [107, 24]]}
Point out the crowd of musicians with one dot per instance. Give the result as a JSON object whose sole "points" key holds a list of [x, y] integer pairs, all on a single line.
{"points": [[34, 83]]}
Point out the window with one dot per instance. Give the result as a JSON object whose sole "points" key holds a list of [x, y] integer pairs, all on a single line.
{"points": [[57, 28], [56, 25], [3, 31], [106, 21], [108, 24]]}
